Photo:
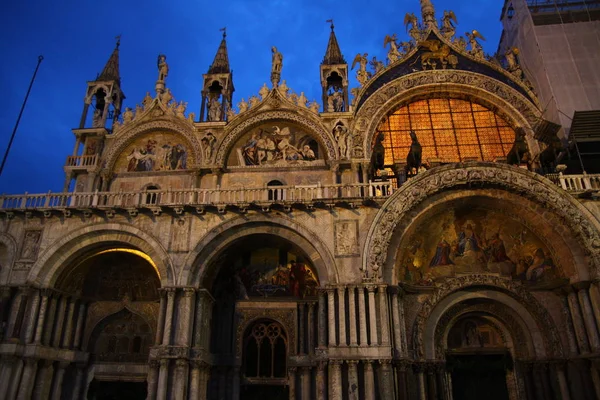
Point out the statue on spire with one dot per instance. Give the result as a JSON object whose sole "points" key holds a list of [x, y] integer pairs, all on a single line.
{"points": [[428, 14], [276, 65], [163, 67]]}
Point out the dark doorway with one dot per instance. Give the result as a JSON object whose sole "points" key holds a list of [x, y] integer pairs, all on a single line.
{"points": [[479, 376], [270, 392], [117, 390]]}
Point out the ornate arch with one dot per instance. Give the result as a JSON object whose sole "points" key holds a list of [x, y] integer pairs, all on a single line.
{"points": [[11, 245], [575, 217], [507, 101], [197, 261], [62, 252], [127, 135], [513, 295], [301, 117], [285, 319]]}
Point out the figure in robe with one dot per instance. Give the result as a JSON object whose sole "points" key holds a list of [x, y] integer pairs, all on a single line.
{"points": [[442, 254], [467, 241], [540, 266], [497, 251]]}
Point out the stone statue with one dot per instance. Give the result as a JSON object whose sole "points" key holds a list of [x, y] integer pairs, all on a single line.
{"points": [[147, 100], [512, 63], [214, 109], [394, 54], [264, 91], [448, 21], [208, 142], [191, 116], [243, 106], [230, 114], [97, 118], [476, 49], [254, 101], [163, 67], [330, 102], [342, 136], [410, 19], [276, 65], [138, 111], [428, 13], [354, 92], [338, 101], [376, 65], [361, 75], [314, 107], [378, 159], [413, 159], [283, 89], [302, 100], [127, 115], [166, 97], [180, 110]]}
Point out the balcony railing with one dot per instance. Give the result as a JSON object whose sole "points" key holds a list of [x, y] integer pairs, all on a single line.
{"points": [[82, 161], [579, 183], [198, 197]]}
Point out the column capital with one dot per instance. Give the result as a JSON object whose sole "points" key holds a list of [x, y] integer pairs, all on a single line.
{"points": [[336, 363], [62, 365], [352, 362], [188, 291], [382, 287], [181, 363], [292, 370], [384, 362], [164, 362], [371, 288], [153, 363], [419, 367]]}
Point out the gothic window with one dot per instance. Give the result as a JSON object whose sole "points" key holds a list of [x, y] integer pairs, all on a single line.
{"points": [[265, 351], [123, 337], [274, 192], [449, 130]]}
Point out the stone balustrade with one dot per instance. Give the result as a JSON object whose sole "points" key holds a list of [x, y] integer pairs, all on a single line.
{"points": [[81, 161], [579, 183]]}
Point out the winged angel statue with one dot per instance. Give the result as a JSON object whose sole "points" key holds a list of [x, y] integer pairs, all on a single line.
{"points": [[415, 30], [394, 54], [449, 23], [361, 75], [476, 49]]}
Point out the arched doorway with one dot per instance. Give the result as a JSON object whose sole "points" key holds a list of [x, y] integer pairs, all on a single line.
{"points": [[264, 361], [477, 359]]}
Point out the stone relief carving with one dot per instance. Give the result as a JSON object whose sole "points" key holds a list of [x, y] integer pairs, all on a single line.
{"points": [[31, 244], [346, 238]]}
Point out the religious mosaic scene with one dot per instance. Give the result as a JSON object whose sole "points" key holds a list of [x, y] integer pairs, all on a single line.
{"points": [[428, 229]]}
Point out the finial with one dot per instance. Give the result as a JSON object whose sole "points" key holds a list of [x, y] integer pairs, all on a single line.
{"points": [[224, 30], [118, 37], [330, 21]]}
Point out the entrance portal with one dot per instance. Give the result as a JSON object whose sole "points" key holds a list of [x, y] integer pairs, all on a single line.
{"points": [[271, 392], [117, 390], [478, 376]]}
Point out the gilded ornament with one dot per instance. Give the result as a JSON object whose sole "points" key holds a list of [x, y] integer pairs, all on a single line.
{"points": [[361, 74]]}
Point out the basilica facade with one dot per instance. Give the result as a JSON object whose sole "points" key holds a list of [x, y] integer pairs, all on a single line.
{"points": [[411, 238]]}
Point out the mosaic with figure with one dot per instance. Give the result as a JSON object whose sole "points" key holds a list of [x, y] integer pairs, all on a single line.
{"points": [[278, 144], [471, 240], [158, 151]]}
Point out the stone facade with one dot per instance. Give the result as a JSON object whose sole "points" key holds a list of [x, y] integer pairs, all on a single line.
{"points": [[272, 252]]}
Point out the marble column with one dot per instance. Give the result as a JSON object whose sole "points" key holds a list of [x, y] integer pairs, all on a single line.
{"points": [[431, 381], [402, 383], [331, 316], [50, 319], [6, 366], [341, 290], [19, 299], [321, 387], [184, 318], [595, 300], [59, 374], [169, 316], [595, 372], [362, 317], [353, 389], [384, 316], [13, 386], [577, 320], [60, 321], [181, 374], [194, 381], [41, 391], [301, 330], [588, 316], [79, 324], [32, 316], [311, 328], [68, 335], [163, 376], [152, 379], [5, 294], [292, 382], [562, 380], [79, 375], [204, 378], [322, 324], [235, 383], [335, 380], [386, 384], [369, 380], [419, 370], [28, 379], [161, 317], [396, 321], [352, 315], [372, 316], [305, 383]]}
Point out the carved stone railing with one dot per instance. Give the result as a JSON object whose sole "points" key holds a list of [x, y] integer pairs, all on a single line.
{"points": [[82, 161], [199, 198], [579, 183]]}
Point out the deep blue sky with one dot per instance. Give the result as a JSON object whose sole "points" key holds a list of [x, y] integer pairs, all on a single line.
{"points": [[76, 38]]}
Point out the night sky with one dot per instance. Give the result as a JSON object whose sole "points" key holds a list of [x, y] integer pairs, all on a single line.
{"points": [[77, 37]]}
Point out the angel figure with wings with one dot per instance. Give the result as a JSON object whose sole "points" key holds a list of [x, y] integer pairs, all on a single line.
{"points": [[361, 75], [394, 54], [410, 19], [448, 24], [476, 49]]}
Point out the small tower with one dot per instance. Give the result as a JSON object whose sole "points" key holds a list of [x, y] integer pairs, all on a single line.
{"points": [[217, 92], [334, 77], [104, 94], [428, 14]]}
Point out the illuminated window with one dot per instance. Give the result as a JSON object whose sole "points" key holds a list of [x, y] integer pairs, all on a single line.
{"points": [[449, 130]]}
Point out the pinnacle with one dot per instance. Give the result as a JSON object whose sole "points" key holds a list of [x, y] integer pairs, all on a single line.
{"points": [[111, 69], [220, 64], [333, 54]]}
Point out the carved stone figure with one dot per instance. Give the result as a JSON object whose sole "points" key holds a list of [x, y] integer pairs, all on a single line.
{"points": [[97, 119], [230, 114], [166, 97], [276, 66], [264, 91], [147, 101], [214, 109], [361, 75], [378, 160], [283, 89], [208, 143], [410, 19], [413, 159], [30, 245], [163, 67], [476, 49], [428, 13], [376, 65], [448, 27], [127, 115], [512, 63], [438, 51], [314, 107], [180, 110], [330, 102], [302, 100], [342, 136], [254, 101], [191, 116], [393, 54], [243, 106]]}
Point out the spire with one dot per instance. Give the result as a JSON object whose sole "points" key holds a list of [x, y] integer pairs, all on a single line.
{"points": [[111, 69], [220, 64], [428, 13], [333, 54]]}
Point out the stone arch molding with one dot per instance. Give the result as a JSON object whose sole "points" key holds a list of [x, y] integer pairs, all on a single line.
{"points": [[197, 261], [300, 117], [508, 101], [126, 136], [62, 252], [543, 339], [575, 216]]}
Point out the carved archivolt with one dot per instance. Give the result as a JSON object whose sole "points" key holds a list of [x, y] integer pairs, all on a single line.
{"points": [[512, 288], [509, 103], [573, 215], [321, 134], [124, 138]]}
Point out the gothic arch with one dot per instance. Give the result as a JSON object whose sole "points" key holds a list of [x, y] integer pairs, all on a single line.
{"points": [[574, 218], [509, 103], [195, 270], [542, 337], [301, 117], [127, 135], [62, 252], [10, 244]]}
